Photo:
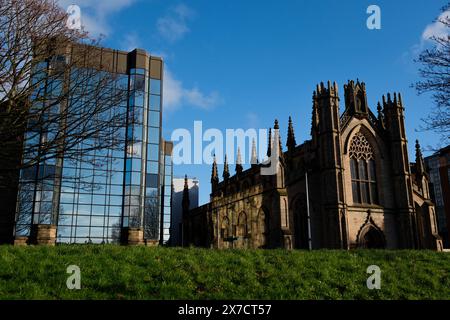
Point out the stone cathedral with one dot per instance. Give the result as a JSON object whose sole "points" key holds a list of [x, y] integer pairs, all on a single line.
{"points": [[350, 186]]}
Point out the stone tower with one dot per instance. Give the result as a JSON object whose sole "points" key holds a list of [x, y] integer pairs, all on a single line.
{"points": [[401, 175], [326, 136]]}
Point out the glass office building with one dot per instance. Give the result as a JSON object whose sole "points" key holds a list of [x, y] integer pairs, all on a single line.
{"points": [[129, 189]]}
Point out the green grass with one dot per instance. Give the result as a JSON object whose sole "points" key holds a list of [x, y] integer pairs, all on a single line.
{"points": [[116, 272]]}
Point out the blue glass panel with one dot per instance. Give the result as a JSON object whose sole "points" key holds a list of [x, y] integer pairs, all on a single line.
{"points": [[83, 220], [154, 118], [67, 198], [155, 86], [151, 194], [117, 164], [115, 200], [151, 181], [97, 221], [135, 178], [82, 232], [116, 190], [84, 198], [99, 178], [127, 178], [83, 209], [98, 210], [115, 211], [63, 232], [139, 100], [65, 220], [153, 152], [139, 83], [117, 178], [135, 189], [136, 164], [155, 102], [137, 133], [128, 164], [153, 135], [98, 199], [137, 71], [66, 209], [152, 167], [114, 221], [130, 133]]}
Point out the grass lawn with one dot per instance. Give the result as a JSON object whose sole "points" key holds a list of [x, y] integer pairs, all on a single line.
{"points": [[117, 272]]}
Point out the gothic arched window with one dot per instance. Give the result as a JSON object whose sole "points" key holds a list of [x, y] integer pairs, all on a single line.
{"points": [[242, 225], [362, 167]]}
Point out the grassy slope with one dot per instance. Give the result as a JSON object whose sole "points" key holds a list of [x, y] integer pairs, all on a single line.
{"points": [[114, 272]]}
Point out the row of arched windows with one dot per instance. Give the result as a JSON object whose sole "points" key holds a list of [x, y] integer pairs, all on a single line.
{"points": [[241, 229]]}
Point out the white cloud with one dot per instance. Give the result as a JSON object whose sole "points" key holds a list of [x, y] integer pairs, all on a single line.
{"points": [[130, 42], [437, 29], [173, 26], [95, 13], [176, 95]]}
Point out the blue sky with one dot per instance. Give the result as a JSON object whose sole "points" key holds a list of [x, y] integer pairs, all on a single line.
{"points": [[241, 64]]}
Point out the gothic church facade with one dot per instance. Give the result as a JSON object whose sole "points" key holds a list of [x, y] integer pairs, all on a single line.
{"points": [[350, 186]]}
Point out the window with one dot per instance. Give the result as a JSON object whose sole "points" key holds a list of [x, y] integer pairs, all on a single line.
{"points": [[155, 86], [155, 102], [362, 169]]}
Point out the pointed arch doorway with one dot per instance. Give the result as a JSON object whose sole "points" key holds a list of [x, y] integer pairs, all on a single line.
{"points": [[371, 238]]}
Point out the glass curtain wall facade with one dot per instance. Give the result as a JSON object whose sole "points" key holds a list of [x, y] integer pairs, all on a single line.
{"points": [[167, 191], [91, 203]]}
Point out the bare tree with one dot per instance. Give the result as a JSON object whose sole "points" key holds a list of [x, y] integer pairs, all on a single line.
{"points": [[435, 74], [58, 98], [151, 218]]}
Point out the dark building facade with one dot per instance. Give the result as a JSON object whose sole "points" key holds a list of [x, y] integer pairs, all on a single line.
{"points": [[350, 186], [126, 200], [438, 166]]}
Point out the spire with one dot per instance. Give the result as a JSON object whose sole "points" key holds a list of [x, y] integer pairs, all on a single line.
{"points": [[380, 115], [239, 167], [269, 144], [420, 167], [214, 174], [290, 143], [276, 127], [185, 201], [254, 159], [226, 171]]}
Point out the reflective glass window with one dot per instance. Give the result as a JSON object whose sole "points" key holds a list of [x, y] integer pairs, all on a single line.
{"points": [[153, 135], [83, 210], [115, 211], [155, 86], [115, 200], [82, 231], [155, 102], [84, 220], [154, 119], [153, 151], [152, 180], [152, 167]]}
